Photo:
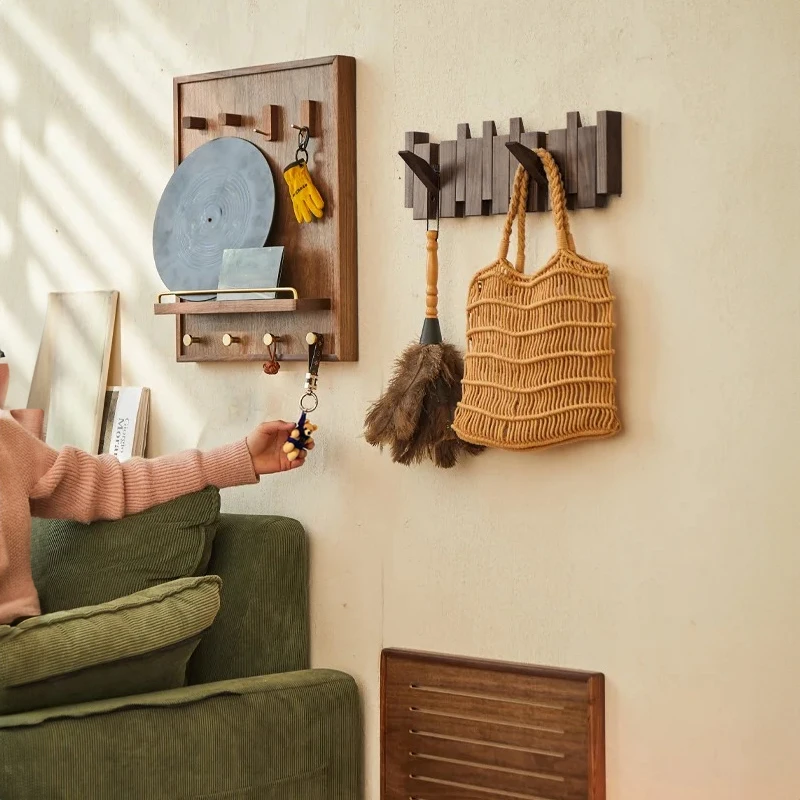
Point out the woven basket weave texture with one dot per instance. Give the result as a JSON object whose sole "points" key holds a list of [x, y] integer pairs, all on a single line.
{"points": [[539, 362]]}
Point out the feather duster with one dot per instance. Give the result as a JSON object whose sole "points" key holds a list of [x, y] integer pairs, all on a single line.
{"points": [[413, 417]]}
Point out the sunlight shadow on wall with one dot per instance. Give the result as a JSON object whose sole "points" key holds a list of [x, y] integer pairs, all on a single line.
{"points": [[6, 238], [101, 190], [169, 50], [9, 81], [77, 84], [71, 212], [134, 66]]}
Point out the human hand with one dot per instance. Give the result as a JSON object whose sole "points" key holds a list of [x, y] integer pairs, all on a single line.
{"points": [[265, 444]]}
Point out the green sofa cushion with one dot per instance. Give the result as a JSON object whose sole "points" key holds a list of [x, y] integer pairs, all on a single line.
{"points": [[139, 643], [262, 626], [295, 736], [77, 565]]}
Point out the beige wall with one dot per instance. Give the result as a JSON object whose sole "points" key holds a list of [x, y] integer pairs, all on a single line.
{"points": [[668, 558]]}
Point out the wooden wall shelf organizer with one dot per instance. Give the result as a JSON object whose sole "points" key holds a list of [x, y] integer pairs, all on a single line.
{"points": [[261, 104], [465, 729], [473, 176]]}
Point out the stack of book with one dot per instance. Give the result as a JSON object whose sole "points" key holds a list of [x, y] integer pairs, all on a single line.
{"points": [[126, 414]]}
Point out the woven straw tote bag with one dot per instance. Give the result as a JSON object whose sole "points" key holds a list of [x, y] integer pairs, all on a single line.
{"points": [[538, 368]]}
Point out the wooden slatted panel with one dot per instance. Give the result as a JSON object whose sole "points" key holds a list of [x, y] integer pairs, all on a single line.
{"points": [[463, 729], [609, 152], [570, 173], [489, 132], [473, 204], [422, 202], [412, 138], [587, 169], [500, 170], [462, 134], [448, 153]]}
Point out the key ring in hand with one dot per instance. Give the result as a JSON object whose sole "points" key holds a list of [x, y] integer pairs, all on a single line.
{"points": [[314, 399]]}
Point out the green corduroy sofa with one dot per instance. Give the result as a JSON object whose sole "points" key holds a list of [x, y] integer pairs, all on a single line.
{"points": [[253, 721]]}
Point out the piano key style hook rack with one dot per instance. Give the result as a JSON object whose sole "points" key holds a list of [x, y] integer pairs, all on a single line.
{"points": [[472, 177]]}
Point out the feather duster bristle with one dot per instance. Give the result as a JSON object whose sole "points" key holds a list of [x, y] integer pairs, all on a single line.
{"points": [[414, 414]]}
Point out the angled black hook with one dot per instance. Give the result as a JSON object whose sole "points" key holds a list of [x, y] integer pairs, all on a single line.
{"points": [[530, 161], [428, 175], [422, 169]]}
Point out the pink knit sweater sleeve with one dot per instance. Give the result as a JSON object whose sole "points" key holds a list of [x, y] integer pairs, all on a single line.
{"points": [[71, 484]]}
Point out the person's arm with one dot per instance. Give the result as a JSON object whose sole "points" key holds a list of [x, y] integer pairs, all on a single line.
{"points": [[71, 484], [79, 486]]}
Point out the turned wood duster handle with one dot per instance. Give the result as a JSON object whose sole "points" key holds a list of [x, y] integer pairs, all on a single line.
{"points": [[432, 273]]}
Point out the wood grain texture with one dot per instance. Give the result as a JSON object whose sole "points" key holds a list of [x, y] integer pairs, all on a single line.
{"points": [[571, 147], [227, 120], [597, 738], [243, 306], [423, 203], [412, 138], [345, 256], [489, 132], [570, 173], [467, 729], [270, 122], [257, 70], [194, 123], [463, 133], [609, 152], [501, 161], [291, 326], [473, 201], [587, 196], [309, 116], [448, 152], [321, 257]]}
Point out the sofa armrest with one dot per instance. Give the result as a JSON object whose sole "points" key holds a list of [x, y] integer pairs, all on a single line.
{"points": [[263, 624], [278, 737]]}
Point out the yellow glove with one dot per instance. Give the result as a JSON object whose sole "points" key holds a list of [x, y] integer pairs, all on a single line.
{"points": [[305, 197]]}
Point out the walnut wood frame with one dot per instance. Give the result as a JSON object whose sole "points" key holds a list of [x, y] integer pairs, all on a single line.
{"points": [[260, 104]]}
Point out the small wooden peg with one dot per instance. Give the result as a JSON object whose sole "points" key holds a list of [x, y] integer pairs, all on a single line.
{"points": [[231, 120], [270, 339], [311, 337], [228, 340], [270, 128], [194, 123], [189, 340], [309, 116]]}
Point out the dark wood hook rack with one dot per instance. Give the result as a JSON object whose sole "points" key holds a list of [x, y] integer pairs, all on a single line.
{"points": [[474, 176]]}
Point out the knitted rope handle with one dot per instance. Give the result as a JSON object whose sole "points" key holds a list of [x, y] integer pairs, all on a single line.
{"points": [[518, 206], [432, 276]]}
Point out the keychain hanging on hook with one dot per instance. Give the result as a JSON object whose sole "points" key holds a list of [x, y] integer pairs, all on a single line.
{"points": [[301, 435], [306, 199], [272, 366]]}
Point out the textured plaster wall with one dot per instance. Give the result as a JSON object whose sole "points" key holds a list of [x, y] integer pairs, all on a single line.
{"points": [[667, 558]]}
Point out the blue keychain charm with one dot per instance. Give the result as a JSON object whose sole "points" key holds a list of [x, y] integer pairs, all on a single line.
{"points": [[300, 437], [304, 429]]}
